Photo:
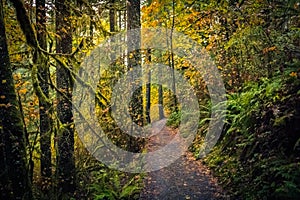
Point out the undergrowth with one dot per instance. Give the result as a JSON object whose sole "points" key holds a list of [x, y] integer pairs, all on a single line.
{"points": [[257, 156], [96, 181], [174, 119]]}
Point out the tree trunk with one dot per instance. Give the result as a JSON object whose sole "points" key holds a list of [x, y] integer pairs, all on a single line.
{"points": [[134, 60], [160, 102], [148, 90], [65, 159], [14, 179], [171, 61], [45, 117], [112, 20], [112, 25], [160, 97]]}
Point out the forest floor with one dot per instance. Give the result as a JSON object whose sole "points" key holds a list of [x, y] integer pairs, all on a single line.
{"points": [[186, 178]]}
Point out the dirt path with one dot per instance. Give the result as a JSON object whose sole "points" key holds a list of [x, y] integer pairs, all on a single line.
{"points": [[184, 179]]}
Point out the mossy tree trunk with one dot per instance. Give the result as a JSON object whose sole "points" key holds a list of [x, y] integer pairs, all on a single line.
{"points": [[134, 60], [14, 178], [65, 159], [44, 106], [148, 89], [112, 28]]}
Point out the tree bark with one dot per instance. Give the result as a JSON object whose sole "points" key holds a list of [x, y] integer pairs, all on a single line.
{"points": [[134, 60], [24, 22], [112, 17], [44, 106], [171, 60], [160, 97], [160, 102], [65, 159], [148, 90], [112, 28], [14, 179]]}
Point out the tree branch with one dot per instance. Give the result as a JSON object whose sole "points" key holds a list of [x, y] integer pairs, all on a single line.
{"points": [[25, 24]]}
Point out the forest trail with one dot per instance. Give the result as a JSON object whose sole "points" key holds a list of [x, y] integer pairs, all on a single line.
{"points": [[186, 178]]}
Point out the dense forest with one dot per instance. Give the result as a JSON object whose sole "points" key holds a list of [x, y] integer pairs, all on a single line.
{"points": [[83, 82]]}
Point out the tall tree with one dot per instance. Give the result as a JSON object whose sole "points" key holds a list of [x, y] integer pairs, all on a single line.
{"points": [[14, 178], [112, 26], [171, 59], [134, 22], [148, 89], [112, 16], [134, 60], [160, 100], [45, 106], [65, 159]]}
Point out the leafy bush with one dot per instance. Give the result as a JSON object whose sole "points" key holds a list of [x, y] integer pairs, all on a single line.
{"points": [[174, 119], [257, 156], [112, 185]]}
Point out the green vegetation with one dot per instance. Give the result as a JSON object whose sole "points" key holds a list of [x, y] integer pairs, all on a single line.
{"points": [[260, 143], [258, 153], [174, 119], [255, 47]]}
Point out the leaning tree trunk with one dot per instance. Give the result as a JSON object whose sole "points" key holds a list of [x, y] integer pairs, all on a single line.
{"points": [[45, 106], [65, 159], [14, 179]]}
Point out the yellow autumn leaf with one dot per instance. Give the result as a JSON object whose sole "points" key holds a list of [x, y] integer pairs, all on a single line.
{"points": [[293, 74], [17, 76], [23, 91], [272, 48], [18, 57], [266, 50]]}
